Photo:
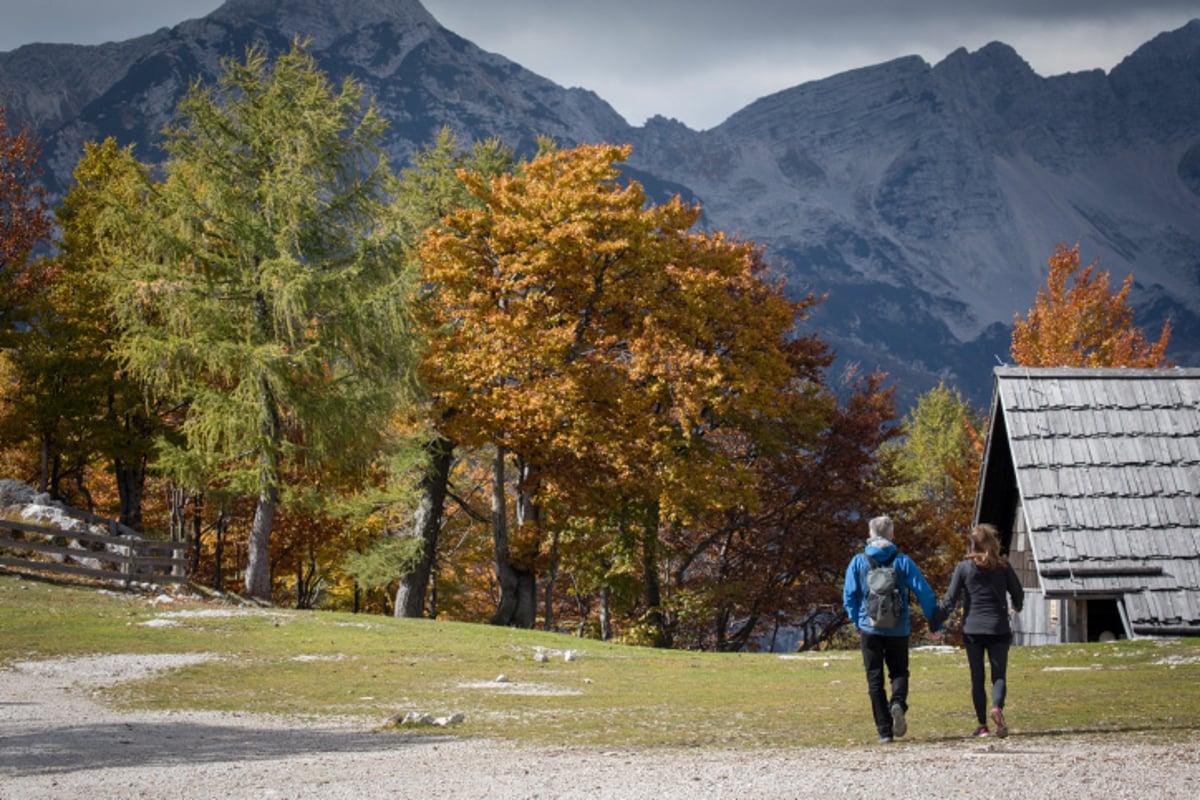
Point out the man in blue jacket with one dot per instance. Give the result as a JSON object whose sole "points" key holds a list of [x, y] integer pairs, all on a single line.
{"points": [[886, 646]]}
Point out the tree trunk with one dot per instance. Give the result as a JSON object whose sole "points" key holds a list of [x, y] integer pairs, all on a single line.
{"points": [[219, 526], [528, 518], [427, 524], [81, 487], [605, 614], [258, 549], [652, 587], [258, 555], [44, 470], [178, 501], [308, 580], [505, 575], [548, 592], [131, 483], [197, 505], [721, 620], [518, 597]]}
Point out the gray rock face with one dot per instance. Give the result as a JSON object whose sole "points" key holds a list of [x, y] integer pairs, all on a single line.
{"points": [[421, 75], [924, 200]]}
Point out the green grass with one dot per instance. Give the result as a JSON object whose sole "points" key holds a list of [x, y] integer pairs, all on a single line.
{"points": [[333, 664]]}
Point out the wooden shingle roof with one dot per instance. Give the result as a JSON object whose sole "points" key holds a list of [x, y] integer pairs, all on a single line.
{"points": [[1105, 464]]}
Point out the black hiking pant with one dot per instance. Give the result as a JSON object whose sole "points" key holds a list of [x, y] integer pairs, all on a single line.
{"points": [[995, 646], [891, 652]]}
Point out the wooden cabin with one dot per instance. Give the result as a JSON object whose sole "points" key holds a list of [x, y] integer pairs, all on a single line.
{"points": [[1092, 477]]}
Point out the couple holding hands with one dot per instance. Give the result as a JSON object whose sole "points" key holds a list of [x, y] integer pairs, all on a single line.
{"points": [[983, 582]]}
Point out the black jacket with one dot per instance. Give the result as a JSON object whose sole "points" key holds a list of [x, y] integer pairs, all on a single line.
{"points": [[985, 607]]}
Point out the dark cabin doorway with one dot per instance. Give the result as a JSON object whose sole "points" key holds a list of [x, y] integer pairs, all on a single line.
{"points": [[1104, 620]]}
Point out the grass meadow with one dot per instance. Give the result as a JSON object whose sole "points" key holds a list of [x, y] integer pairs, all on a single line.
{"points": [[565, 691]]}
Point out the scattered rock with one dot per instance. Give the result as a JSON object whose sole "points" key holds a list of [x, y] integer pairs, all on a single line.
{"points": [[416, 718], [542, 654], [15, 493]]}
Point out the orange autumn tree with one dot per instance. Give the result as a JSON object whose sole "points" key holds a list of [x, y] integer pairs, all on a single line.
{"points": [[781, 562], [25, 222], [24, 214], [596, 339], [1085, 324]]}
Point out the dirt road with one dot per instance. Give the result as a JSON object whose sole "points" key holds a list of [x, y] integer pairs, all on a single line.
{"points": [[57, 742]]}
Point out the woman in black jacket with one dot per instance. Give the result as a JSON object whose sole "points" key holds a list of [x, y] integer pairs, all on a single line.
{"points": [[982, 581]]}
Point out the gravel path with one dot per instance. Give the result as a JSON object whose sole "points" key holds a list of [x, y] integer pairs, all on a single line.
{"points": [[56, 742]]}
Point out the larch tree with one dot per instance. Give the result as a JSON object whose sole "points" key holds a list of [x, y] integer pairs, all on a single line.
{"points": [[269, 298], [934, 467], [938, 431], [107, 408], [1084, 324]]}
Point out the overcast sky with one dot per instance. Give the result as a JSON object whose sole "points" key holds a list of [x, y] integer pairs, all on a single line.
{"points": [[699, 60]]}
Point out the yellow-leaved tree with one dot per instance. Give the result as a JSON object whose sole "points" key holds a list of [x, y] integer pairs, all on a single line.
{"points": [[1084, 324], [598, 341]]}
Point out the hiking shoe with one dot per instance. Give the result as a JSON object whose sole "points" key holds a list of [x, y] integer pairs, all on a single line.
{"points": [[998, 718], [980, 732], [899, 726], [885, 739]]}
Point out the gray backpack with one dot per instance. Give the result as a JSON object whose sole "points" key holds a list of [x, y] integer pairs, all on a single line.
{"points": [[884, 598]]}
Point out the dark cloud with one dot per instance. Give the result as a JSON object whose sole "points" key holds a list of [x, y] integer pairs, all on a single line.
{"points": [[700, 60]]}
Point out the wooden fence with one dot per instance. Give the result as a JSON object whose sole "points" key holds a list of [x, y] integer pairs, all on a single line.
{"points": [[121, 555]]}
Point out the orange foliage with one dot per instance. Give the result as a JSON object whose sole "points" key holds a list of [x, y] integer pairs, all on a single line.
{"points": [[598, 339], [1085, 325], [785, 557], [24, 215], [575, 323]]}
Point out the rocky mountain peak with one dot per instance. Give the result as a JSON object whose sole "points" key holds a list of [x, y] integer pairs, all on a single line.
{"points": [[323, 21], [993, 59], [1178, 47], [1161, 81], [922, 200]]}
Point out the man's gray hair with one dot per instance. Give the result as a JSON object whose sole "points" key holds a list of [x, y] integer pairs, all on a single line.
{"points": [[881, 527]]}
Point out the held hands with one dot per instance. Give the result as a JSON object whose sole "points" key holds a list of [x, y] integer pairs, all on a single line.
{"points": [[938, 620]]}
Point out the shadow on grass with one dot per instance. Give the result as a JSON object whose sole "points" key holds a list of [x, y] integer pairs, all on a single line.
{"points": [[66, 749]]}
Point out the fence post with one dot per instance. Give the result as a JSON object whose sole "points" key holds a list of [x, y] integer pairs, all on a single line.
{"points": [[129, 568], [178, 554]]}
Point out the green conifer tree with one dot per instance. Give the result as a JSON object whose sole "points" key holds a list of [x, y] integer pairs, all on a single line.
{"points": [[268, 296]]}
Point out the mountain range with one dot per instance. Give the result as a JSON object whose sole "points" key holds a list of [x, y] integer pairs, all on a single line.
{"points": [[923, 200]]}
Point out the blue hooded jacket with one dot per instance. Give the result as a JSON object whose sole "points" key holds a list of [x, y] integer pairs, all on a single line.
{"points": [[908, 577]]}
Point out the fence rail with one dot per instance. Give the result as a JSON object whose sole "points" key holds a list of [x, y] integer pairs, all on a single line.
{"points": [[121, 555]]}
